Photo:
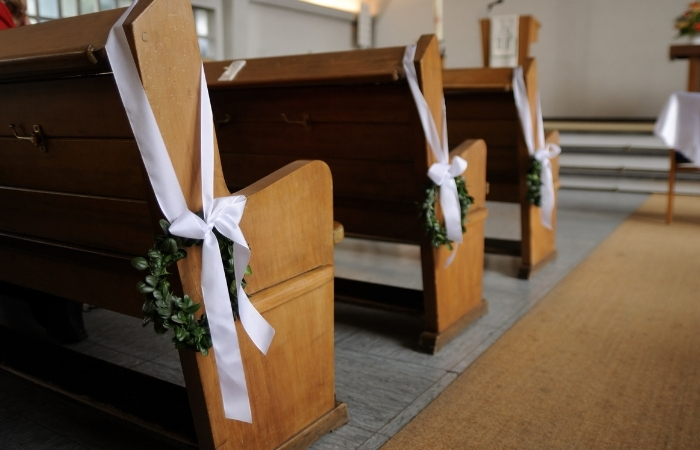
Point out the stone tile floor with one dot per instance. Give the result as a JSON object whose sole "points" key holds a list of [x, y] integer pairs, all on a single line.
{"points": [[381, 377]]}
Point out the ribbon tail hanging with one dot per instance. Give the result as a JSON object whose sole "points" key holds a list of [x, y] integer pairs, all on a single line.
{"points": [[547, 191], [229, 361], [441, 172]]}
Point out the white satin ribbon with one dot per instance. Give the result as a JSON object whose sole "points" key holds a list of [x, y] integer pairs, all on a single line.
{"points": [[442, 173], [545, 152], [223, 213]]}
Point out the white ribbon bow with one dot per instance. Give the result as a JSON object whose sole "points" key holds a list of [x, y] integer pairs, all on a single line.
{"points": [[223, 213], [543, 154], [442, 173]]}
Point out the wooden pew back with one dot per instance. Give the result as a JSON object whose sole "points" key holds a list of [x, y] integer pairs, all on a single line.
{"points": [[354, 110]]}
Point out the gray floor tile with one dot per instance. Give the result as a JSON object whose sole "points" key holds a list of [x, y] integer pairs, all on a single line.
{"points": [[378, 389], [98, 351], [162, 372], [375, 442], [417, 405], [346, 437]]}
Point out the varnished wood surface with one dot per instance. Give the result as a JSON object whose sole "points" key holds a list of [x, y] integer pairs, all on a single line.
{"points": [[459, 288], [683, 51], [82, 231], [74, 107], [359, 66], [478, 79], [74, 45], [692, 54], [368, 132]]}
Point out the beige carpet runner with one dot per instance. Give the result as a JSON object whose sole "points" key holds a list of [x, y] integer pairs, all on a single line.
{"points": [[610, 358]]}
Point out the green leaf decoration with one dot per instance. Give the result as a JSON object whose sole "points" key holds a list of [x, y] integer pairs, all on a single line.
{"points": [[166, 310], [435, 230], [139, 263], [534, 182]]}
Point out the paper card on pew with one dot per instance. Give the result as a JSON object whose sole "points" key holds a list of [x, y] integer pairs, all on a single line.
{"points": [[504, 41], [232, 70]]}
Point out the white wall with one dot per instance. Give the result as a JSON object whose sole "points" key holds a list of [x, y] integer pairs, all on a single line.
{"points": [[277, 31], [269, 28], [596, 58]]}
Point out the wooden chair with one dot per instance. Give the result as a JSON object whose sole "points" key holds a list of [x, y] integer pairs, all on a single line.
{"points": [[76, 209], [354, 110], [480, 104]]}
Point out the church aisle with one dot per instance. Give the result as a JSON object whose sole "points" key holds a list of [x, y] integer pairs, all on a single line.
{"points": [[608, 359]]}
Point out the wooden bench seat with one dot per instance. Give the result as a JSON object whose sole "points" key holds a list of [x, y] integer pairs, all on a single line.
{"points": [[74, 213], [354, 110], [480, 104]]}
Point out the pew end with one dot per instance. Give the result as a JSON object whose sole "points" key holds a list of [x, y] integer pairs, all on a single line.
{"points": [[480, 104], [292, 386], [458, 287]]}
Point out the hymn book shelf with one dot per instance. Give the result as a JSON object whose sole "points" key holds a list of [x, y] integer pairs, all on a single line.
{"points": [[354, 110], [73, 216]]}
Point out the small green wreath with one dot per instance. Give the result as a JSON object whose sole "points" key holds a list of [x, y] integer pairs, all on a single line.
{"points": [[433, 228], [534, 182], [166, 310]]}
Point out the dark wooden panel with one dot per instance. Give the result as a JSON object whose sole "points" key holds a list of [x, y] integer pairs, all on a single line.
{"points": [[122, 226], [380, 180], [361, 141], [504, 192], [502, 165], [462, 105], [81, 107], [385, 224], [110, 168], [496, 133], [349, 103], [100, 279]]}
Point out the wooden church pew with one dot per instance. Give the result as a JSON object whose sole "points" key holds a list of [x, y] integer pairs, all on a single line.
{"points": [[354, 110], [74, 211], [480, 104]]}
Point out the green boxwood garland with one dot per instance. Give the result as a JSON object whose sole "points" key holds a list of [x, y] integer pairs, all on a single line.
{"points": [[166, 310], [534, 182], [433, 228]]}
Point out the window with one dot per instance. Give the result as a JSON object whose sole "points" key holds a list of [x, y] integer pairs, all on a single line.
{"points": [[203, 23], [43, 10]]}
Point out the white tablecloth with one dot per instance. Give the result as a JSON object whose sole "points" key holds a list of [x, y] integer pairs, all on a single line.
{"points": [[678, 124]]}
